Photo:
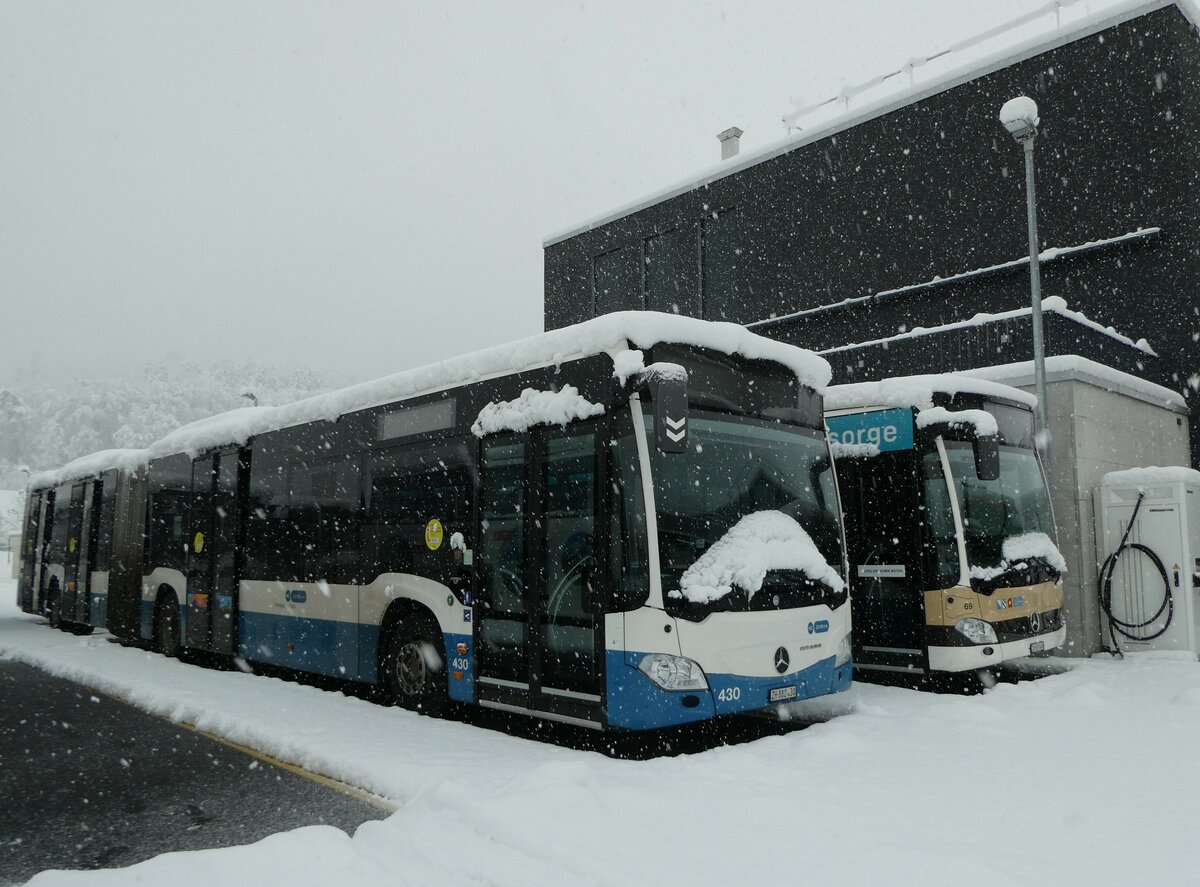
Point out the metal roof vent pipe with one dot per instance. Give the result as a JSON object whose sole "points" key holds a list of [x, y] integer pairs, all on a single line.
{"points": [[730, 142]]}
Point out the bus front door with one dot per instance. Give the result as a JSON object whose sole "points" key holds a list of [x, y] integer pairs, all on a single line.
{"points": [[537, 642], [212, 553]]}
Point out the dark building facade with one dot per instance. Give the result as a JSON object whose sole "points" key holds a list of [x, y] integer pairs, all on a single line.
{"points": [[912, 214]]}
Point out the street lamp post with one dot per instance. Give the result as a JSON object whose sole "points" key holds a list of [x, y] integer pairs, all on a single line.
{"points": [[1020, 117]]}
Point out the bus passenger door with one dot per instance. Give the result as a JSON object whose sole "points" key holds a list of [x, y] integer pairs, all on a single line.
{"points": [[883, 530], [86, 552], [226, 509], [212, 573], [502, 622], [198, 623], [536, 641], [75, 565], [565, 663]]}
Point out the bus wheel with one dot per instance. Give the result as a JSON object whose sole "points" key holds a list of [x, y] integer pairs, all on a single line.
{"points": [[166, 627], [414, 669]]}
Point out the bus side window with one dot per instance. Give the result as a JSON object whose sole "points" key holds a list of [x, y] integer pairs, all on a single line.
{"points": [[628, 567], [941, 542], [169, 493], [417, 497]]}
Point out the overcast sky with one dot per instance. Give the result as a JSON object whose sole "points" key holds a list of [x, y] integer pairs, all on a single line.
{"points": [[365, 187]]}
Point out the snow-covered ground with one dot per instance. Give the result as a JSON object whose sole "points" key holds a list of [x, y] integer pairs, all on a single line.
{"points": [[1083, 778]]}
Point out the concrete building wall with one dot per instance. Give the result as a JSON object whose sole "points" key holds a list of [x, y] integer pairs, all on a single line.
{"points": [[1096, 430]]}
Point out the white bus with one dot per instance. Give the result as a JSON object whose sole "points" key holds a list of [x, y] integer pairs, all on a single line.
{"points": [[951, 539], [631, 523]]}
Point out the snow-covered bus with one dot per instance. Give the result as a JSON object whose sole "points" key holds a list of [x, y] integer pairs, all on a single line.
{"points": [[630, 523], [951, 539], [72, 535]]}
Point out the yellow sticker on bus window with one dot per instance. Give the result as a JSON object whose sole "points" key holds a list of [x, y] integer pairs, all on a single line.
{"points": [[433, 534], [71, 545], [198, 543]]}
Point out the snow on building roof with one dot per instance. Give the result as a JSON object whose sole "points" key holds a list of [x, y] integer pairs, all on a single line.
{"points": [[918, 391], [611, 333], [1072, 366], [961, 63], [1154, 474], [91, 465], [1050, 305], [1046, 256]]}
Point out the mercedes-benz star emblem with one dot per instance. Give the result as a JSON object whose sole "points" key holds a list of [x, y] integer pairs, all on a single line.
{"points": [[781, 660], [1035, 622]]}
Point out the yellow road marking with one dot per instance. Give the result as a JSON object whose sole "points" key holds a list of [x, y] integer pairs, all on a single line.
{"points": [[321, 779], [328, 781]]}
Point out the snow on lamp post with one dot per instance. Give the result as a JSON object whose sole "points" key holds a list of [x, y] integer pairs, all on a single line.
{"points": [[1020, 117]]}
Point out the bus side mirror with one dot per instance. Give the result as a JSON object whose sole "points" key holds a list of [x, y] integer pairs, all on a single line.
{"points": [[670, 414], [987, 457]]}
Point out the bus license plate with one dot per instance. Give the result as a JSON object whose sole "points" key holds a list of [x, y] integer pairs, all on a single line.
{"points": [[1037, 646], [781, 694]]}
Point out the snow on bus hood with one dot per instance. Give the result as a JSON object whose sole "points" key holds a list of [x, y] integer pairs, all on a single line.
{"points": [[1017, 549], [755, 545]]}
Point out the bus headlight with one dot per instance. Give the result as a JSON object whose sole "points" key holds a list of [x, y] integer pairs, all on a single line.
{"points": [[976, 631], [673, 672], [843, 652]]}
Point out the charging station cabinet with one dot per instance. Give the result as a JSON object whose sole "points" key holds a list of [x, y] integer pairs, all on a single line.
{"points": [[1168, 525]]}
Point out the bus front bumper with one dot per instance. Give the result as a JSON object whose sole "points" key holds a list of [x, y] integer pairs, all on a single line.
{"points": [[973, 657]]}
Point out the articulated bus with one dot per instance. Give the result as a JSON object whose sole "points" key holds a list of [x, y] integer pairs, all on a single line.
{"points": [[632, 523], [951, 538]]}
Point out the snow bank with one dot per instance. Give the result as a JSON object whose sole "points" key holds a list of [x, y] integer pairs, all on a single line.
{"points": [[478, 806], [1169, 474], [755, 545], [535, 407], [918, 391], [983, 422], [1015, 550]]}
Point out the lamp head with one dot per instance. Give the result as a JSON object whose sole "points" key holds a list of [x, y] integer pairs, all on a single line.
{"points": [[1020, 118]]}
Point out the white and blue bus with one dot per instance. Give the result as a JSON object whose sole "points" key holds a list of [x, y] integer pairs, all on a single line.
{"points": [[631, 523]]}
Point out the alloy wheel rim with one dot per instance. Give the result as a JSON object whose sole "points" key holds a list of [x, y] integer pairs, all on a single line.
{"points": [[410, 670]]}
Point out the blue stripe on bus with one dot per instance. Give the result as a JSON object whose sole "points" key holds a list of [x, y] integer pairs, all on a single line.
{"points": [[637, 703], [344, 650]]}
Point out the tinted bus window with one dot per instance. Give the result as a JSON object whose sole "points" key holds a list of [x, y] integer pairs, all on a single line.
{"points": [[417, 498], [169, 490]]}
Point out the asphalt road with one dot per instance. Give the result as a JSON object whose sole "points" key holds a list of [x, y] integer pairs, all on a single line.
{"points": [[87, 781]]}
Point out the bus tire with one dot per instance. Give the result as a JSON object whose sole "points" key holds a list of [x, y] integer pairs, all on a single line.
{"points": [[414, 667], [166, 626]]}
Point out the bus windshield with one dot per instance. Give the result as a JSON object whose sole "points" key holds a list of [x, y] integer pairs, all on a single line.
{"points": [[1015, 504], [734, 467]]}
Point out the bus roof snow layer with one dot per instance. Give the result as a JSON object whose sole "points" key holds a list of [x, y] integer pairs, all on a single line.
{"points": [[612, 333]]}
